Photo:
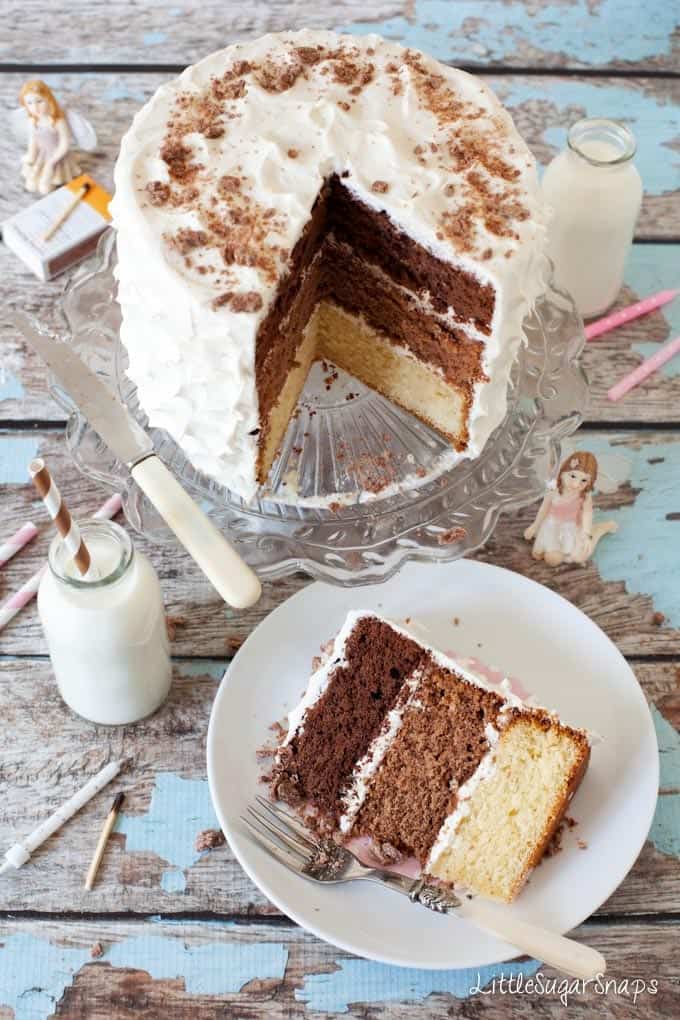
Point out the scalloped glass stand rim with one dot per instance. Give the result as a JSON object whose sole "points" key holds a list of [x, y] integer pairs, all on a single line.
{"points": [[443, 516]]}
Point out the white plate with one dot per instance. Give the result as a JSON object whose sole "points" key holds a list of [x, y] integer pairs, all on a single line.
{"points": [[506, 621]]}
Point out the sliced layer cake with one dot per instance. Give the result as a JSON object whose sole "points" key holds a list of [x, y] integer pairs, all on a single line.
{"points": [[310, 195], [395, 742]]}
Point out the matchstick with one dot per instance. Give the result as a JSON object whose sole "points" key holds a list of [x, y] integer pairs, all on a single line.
{"points": [[78, 197], [103, 840]]}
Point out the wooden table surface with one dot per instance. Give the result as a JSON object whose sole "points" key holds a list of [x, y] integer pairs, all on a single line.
{"points": [[184, 933]]}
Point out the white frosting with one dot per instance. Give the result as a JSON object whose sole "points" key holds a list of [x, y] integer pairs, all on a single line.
{"points": [[194, 364]]}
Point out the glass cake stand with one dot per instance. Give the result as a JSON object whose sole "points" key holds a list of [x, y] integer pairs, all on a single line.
{"points": [[395, 489]]}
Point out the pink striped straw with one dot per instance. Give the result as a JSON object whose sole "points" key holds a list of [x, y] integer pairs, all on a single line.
{"points": [[19, 539], [647, 368], [648, 304], [28, 591]]}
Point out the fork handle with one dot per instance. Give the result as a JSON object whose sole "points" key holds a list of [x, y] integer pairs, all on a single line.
{"points": [[564, 954]]}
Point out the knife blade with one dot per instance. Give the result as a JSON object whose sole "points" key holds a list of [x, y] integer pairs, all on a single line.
{"points": [[105, 413], [224, 568]]}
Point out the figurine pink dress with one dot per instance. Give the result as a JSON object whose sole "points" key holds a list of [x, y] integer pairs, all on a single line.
{"points": [[563, 531]]}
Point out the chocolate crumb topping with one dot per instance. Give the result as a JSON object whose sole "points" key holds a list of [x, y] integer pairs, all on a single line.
{"points": [[380, 187], [293, 153], [157, 192], [187, 239], [243, 301], [177, 157], [228, 184]]}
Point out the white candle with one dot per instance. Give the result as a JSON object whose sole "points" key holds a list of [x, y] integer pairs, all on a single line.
{"points": [[18, 854]]}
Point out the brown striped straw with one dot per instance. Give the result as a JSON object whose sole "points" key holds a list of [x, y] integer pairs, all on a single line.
{"points": [[58, 511]]}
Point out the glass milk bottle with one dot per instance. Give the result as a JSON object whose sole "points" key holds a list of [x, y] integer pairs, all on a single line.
{"points": [[595, 193], [106, 637]]}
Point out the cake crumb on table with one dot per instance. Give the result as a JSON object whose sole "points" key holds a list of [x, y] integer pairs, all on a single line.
{"points": [[96, 951], [452, 536], [209, 839], [172, 623], [658, 619]]}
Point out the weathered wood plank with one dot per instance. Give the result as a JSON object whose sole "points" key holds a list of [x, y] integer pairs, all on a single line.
{"points": [[211, 971], [44, 760], [151, 864], [543, 33], [638, 565]]}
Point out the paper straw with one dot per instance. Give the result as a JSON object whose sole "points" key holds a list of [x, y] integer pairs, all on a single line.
{"points": [[648, 304], [28, 591], [19, 539], [647, 368], [58, 511]]}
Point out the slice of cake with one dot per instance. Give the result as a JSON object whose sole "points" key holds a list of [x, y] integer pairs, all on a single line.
{"points": [[396, 743], [310, 195]]}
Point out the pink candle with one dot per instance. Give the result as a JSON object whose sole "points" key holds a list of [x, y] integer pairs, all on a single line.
{"points": [[648, 304], [647, 367], [19, 539]]}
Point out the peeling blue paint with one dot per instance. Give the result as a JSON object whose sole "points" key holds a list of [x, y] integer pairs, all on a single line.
{"points": [[665, 831], [654, 267], [154, 38], [119, 90], [645, 552], [173, 881], [472, 30], [366, 982], [17, 452], [34, 973], [180, 808], [10, 387], [214, 668], [213, 968]]}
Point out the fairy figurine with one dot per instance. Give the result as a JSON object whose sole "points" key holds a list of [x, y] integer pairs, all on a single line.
{"points": [[563, 531], [50, 133]]}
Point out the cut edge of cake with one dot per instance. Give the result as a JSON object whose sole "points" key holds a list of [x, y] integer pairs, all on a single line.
{"points": [[520, 768]]}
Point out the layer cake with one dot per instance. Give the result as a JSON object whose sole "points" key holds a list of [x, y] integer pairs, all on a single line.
{"points": [[395, 743], [312, 195]]}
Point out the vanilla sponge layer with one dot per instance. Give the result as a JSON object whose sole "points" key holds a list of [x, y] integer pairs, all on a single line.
{"points": [[500, 833], [351, 344]]}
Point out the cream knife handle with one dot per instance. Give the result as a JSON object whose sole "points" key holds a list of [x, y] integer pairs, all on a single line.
{"points": [[231, 577], [564, 954]]}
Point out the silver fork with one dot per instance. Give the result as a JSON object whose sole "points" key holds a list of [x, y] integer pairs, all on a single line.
{"points": [[284, 837]]}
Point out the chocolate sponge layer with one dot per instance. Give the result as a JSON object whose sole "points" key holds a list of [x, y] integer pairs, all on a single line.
{"points": [[438, 747], [317, 764]]}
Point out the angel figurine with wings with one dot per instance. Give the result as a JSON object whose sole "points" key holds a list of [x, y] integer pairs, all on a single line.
{"points": [[563, 531], [49, 132]]}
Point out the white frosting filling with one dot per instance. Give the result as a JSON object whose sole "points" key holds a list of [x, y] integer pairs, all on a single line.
{"points": [[194, 364]]}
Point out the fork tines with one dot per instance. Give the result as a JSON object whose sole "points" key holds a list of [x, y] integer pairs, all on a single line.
{"points": [[290, 844]]}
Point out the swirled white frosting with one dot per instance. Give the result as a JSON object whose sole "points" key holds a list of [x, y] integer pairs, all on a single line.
{"points": [[193, 359]]}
